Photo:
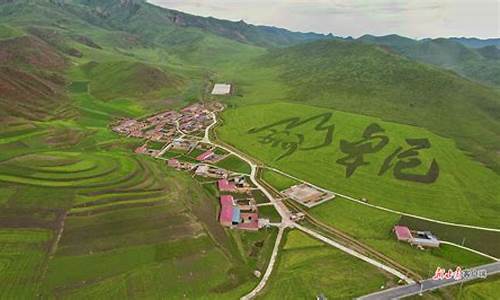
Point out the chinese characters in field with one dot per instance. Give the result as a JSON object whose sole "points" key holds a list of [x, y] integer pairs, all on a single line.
{"points": [[404, 162]]}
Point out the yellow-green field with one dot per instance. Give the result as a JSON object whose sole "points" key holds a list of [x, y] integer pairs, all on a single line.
{"points": [[464, 191]]}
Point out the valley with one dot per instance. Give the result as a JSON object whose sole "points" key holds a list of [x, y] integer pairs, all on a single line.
{"points": [[107, 114]]}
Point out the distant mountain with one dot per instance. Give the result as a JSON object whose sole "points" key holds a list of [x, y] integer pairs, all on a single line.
{"points": [[481, 64], [139, 16], [477, 43]]}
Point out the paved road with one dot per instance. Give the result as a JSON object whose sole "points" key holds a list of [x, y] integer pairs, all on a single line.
{"points": [[427, 285], [269, 269], [354, 253]]}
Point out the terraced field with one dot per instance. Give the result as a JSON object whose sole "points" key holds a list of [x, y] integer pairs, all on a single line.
{"points": [[122, 223]]}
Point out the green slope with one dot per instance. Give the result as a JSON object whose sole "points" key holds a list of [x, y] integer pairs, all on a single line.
{"points": [[480, 64], [365, 79]]}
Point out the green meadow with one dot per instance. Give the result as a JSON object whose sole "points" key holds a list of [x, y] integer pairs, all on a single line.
{"points": [[308, 268], [464, 191], [373, 228]]}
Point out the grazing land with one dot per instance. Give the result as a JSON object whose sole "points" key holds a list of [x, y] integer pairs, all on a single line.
{"points": [[484, 241], [278, 181], [374, 228], [308, 268], [234, 164], [83, 217]]}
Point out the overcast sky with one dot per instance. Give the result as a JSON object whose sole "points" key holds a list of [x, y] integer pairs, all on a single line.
{"points": [[413, 18]]}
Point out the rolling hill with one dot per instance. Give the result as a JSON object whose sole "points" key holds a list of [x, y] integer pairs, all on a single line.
{"points": [[364, 79], [135, 229], [481, 64]]}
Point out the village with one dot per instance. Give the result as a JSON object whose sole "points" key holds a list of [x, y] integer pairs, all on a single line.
{"points": [[180, 138], [177, 138]]}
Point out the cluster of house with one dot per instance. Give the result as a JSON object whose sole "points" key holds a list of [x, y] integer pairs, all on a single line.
{"points": [[237, 213], [194, 118], [307, 195], [158, 128], [161, 127], [420, 239]]}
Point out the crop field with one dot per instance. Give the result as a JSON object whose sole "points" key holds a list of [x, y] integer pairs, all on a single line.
{"points": [[374, 228], [278, 181], [235, 164], [22, 259], [307, 268], [397, 166]]}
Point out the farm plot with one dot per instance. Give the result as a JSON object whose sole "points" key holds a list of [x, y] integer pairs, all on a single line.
{"points": [[22, 256], [307, 268], [397, 166], [235, 164], [278, 181]]}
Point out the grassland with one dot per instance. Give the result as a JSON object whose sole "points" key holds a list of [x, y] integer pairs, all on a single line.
{"points": [[278, 181], [484, 241], [465, 191], [134, 229], [374, 228], [308, 268], [235, 164], [22, 257]]}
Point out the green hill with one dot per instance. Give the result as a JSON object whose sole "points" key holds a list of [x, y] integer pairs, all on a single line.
{"points": [[480, 64], [123, 79], [132, 227], [369, 80], [138, 16]]}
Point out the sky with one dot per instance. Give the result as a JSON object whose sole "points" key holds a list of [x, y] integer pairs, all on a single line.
{"points": [[412, 18]]}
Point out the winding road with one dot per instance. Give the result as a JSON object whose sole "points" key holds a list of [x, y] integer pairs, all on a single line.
{"points": [[287, 223], [411, 288]]}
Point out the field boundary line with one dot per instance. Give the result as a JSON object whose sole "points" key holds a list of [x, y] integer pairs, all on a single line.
{"points": [[470, 249], [384, 208]]}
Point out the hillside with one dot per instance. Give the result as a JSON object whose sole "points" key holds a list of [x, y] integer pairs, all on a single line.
{"points": [[369, 80], [136, 16], [84, 217], [124, 79], [481, 64], [477, 43]]}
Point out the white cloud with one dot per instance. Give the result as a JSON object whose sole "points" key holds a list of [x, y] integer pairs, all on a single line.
{"points": [[414, 18]]}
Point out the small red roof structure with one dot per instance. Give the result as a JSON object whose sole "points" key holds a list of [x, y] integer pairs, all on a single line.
{"points": [[402, 233], [250, 221], [173, 163], [226, 186], [226, 211], [204, 156]]}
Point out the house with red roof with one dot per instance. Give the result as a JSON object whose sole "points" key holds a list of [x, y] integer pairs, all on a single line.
{"points": [[226, 210], [205, 155], [174, 163], [403, 233], [225, 186], [249, 221]]}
